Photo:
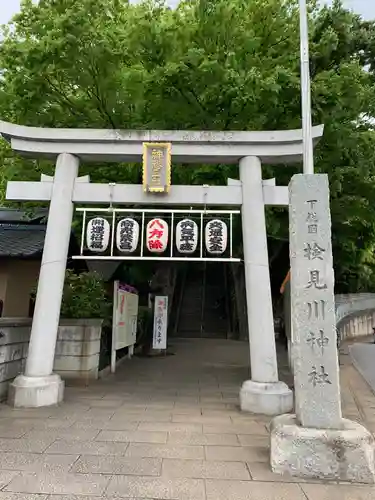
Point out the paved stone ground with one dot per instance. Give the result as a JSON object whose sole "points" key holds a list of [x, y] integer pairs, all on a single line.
{"points": [[162, 428], [362, 356]]}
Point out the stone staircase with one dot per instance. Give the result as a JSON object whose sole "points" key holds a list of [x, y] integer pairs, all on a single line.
{"points": [[202, 308]]}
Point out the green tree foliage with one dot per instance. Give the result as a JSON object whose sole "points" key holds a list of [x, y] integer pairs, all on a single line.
{"points": [[209, 64]]}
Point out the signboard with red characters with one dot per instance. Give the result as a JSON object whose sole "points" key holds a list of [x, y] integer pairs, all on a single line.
{"points": [[157, 235]]}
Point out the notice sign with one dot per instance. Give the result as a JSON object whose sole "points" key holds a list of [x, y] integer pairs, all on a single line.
{"points": [[156, 167], [126, 317], [160, 322]]}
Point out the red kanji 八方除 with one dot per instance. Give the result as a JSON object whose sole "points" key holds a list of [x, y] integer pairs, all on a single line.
{"points": [[156, 221], [155, 244], [156, 233]]}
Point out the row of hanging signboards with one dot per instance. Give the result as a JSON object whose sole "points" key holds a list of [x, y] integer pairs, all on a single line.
{"points": [[127, 235]]}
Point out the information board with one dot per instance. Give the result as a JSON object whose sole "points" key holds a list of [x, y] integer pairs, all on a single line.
{"points": [[125, 316]]}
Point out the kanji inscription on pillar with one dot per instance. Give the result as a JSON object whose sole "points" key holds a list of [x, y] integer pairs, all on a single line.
{"points": [[316, 371]]}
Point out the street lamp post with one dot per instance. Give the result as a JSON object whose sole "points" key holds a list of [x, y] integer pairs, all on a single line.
{"points": [[308, 157]]}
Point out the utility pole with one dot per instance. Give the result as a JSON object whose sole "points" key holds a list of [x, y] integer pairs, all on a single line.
{"points": [[308, 155]]}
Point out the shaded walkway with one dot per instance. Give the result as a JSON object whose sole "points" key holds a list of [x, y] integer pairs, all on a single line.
{"points": [[162, 428]]}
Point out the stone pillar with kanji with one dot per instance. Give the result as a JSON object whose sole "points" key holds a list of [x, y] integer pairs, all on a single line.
{"points": [[316, 442]]}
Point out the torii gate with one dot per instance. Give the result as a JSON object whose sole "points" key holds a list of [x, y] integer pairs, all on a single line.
{"points": [[38, 386]]}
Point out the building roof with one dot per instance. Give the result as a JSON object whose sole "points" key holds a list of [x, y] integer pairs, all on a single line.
{"points": [[21, 240], [11, 215]]}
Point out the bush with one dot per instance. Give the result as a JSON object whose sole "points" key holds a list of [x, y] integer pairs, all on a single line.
{"points": [[85, 296]]}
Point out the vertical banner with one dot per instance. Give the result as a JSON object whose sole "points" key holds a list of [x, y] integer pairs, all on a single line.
{"points": [[160, 322], [125, 316]]}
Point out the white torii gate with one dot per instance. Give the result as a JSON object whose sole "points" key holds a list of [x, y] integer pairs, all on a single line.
{"points": [[39, 386]]}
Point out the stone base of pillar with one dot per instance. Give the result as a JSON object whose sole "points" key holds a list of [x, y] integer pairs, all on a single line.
{"points": [[33, 392], [339, 455], [270, 399]]}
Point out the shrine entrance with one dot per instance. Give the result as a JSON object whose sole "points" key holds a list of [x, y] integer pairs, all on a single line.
{"points": [[147, 228], [203, 305]]}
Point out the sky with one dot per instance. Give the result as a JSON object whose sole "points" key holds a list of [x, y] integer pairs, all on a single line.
{"points": [[364, 7]]}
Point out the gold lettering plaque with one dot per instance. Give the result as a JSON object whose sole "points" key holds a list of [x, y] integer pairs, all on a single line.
{"points": [[156, 167]]}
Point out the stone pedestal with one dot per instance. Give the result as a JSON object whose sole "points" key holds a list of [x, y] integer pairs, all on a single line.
{"points": [[346, 454], [270, 399], [33, 392]]}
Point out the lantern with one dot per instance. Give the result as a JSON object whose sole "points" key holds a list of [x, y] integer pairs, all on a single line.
{"points": [[216, 236], [97, 234], [186, 236], [127, 235], [157, 235]]}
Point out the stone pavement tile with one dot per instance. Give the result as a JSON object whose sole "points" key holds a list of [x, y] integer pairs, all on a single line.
{"points": [[237, 454], [157, 488], [217, 405], [370, 427], [85, 497], [25, 446], [211, 399], [242, 420], [133, 407], [169, 427], [252, 440], [142, 417], [354, 417], [160, 406], [98, 413], [201, 469], [197, 438], [187, 400], [68, 410], [164, 451], [255, 428], [253, 490], [7, 411], [34, 423], [118, 465], [86, 448], [36, 462], [89, 423], [21, 496], [77, 484], [13, 431], [53, 423], [338, 492], [73, 394], [187, 410], [70, 434], [201, 419], [118, 425], [133, 436], [106, 403], [261, 471], [219, 413], [6, 476]]}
